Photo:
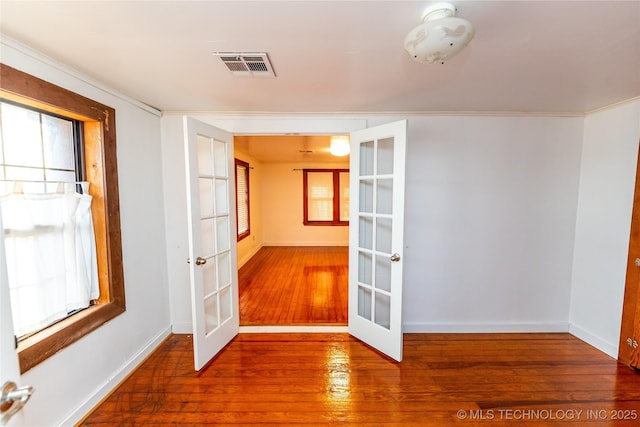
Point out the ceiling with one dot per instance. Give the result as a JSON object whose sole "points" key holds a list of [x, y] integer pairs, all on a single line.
{"points": [[543, 57], [298, 149]]}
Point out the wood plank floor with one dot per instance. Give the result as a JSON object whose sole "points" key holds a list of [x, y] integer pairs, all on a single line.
{"points": [[328, 379], [295, 286]]}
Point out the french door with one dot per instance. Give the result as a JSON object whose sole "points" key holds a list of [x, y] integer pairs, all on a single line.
{"points": [[212, 238], [376, 236]]}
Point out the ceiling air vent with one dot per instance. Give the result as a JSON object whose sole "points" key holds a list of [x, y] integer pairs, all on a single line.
{"points": [[254, 64]]}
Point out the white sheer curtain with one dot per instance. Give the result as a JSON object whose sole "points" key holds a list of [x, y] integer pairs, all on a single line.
{"points": [[50, 254]]}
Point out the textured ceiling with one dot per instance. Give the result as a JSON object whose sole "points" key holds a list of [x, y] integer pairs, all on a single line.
{"points": [[550, 57]]}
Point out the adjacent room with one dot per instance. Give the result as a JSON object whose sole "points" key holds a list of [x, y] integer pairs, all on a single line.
{"points": [[297, 200], [474, 257]]}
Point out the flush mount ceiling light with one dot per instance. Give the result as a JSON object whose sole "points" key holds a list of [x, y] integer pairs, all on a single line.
{"points": [[339, 145], [440, 36]]}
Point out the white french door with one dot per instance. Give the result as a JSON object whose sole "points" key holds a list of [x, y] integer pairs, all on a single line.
{"points": [[376, 225], [375, 237], [212, 238]]}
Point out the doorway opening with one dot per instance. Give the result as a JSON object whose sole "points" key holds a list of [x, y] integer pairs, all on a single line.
{"points": [[289, 273]]}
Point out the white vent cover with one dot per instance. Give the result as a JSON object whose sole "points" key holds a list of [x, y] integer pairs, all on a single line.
{"points": [[254, 64]]}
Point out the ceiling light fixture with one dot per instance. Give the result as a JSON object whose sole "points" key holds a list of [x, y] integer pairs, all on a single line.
{"points": [[339, 145], [440, 36]]}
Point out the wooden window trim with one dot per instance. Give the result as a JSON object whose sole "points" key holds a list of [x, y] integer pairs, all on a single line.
{"points": [[102, 174], [238, 162], [336, 199]]}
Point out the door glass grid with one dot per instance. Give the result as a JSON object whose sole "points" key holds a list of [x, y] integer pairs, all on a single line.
{"points": [[375, 206], [215, 232]]}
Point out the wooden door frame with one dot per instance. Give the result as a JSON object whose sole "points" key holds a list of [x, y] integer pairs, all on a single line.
{"points": [[630, 327]]}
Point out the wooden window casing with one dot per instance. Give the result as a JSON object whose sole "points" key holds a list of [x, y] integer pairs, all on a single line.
{"points": [[102, 174], [336, 221]]}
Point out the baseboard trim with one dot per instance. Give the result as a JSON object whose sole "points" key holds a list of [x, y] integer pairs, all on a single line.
{"points": [[319, 243], [284, 329], [85, 408], [450, 327], [594, 340]]}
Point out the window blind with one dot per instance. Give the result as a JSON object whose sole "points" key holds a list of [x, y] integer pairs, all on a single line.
{"points": [[242, 198]]}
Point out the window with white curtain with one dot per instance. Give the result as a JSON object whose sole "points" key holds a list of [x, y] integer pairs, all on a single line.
{"points": [[48, 229], [326, 196], [242, 199], [58, 132]]}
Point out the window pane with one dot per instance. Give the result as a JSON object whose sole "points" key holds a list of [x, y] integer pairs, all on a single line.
{"points": [[320, 196], [366, 158], [205, 166], [364, 302], [366, 196], [383, 310], [206, 197], [384, 196], [365, 268], [222, 199], [365, 232], [36, 146], [211, 313], [226, 308], [385, 156], [21, 136], [26, 174], [57, 139], [222, 234], [220, 158]]}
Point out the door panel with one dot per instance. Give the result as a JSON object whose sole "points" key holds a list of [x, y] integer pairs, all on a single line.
{"points": [[212, 252], [629, 348], [376, 236]]}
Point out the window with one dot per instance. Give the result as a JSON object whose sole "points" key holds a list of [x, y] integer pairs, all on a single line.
{"points": [[39, 146], [326, 196], [242, 199], [48, 228], [86, 128]]}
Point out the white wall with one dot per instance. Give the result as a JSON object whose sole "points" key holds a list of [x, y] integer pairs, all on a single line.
{"points": [[607, 180], [489, 223], [282, 195], [71, 382]]}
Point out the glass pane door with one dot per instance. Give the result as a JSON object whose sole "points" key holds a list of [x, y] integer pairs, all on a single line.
{"points": [[376, 239], [211, 202]]}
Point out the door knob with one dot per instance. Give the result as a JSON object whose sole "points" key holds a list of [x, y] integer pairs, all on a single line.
{"points": [[395, 258], [12, 399], [201, 261]]}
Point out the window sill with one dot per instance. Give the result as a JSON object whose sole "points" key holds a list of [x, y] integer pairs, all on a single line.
{"points": [[41, 345], [327, 223]]}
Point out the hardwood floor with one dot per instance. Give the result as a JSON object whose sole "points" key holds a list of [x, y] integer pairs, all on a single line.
{"points": [[295, 286], [326, 379]]}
